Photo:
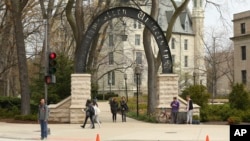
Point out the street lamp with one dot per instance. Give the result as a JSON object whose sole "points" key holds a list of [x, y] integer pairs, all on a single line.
{"points": [[138, 73], [126, 89], [194, 75]]}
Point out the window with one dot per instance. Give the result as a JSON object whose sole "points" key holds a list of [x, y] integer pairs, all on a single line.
{"points": [[111, 40], [137, 39], [138, 57], [173, 59], [173, 43], [185, 44], [111, 78], [244, 76], [134, 23], [186, 26], [186, 61], [139, 25], [195, 3], [111, 58], [243, 28], [243, 53]]}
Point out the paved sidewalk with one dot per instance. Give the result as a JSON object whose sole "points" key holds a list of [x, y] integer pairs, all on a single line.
{"points": [[132, 130], [129, 131]]}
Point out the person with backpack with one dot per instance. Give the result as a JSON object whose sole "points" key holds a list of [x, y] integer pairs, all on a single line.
{"points": [[90, 112], [43, 115], [124, 108]]}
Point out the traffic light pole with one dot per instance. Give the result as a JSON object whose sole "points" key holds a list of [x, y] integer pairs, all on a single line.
{"points": [[46, 60]]}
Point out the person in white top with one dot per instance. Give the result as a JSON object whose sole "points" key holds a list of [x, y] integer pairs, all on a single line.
{"points": [[97, 112]]}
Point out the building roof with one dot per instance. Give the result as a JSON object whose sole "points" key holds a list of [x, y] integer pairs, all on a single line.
{"points": [[183, 23]]}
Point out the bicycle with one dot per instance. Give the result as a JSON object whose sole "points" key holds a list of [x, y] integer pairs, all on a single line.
{"points": [[164, 116]]}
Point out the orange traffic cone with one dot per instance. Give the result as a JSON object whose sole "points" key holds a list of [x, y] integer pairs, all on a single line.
{"points": [[207, 138], [97, 138]]}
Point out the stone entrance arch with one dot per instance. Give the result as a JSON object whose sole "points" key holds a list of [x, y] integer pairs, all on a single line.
{"points": [[133, 13], [69, 110]]}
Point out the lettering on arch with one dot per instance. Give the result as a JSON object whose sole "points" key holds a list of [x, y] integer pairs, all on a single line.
{"points": [[133, 13]]}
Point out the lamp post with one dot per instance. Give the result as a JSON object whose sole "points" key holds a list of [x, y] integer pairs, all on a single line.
{"points": [[126, 89], [138, 73], [194, 75]]}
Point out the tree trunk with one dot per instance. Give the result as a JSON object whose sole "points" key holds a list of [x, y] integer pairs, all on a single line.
{"points": [[152, 69], [17, 7]]}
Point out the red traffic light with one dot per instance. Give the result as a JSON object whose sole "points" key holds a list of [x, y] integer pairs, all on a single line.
{"points": [[47, 79], [52, 55], [50, 79], [52, 63]]}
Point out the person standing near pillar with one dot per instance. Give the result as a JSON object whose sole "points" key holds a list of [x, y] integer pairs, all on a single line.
{"points": [[189, 110], [43, 115], [175, 109]]}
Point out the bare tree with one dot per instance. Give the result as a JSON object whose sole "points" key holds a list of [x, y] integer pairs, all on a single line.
{"points": [[8, 60], [219, 59], [154, 63], [16, 8]]}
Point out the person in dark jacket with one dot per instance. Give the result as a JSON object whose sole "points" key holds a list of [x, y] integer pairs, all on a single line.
{"points": [[89, 110], [43, 115], [114, 108], [189, 110], [124, 108]]}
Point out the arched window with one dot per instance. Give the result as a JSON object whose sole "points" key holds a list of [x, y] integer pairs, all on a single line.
{"points": [[195, 3]]}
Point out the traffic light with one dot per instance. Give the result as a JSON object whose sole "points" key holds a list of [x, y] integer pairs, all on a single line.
{"points": [[52, 63], [51, 78], [47, 79]]}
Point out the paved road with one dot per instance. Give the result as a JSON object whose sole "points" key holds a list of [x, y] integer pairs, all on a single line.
{"points": [[132, 130]]}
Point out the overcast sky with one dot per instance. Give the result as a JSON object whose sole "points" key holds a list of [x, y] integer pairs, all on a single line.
{"points": [[228, 8]]}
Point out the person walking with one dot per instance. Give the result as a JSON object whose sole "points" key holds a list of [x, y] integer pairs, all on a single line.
{"points": [[124, 108], [90, 111], [43, 115], [114, 108], [189, 110], [175, 109], [97, 112]]}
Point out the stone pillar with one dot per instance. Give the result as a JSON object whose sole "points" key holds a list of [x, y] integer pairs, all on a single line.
{"points": [[80, 92], [167, 88]]}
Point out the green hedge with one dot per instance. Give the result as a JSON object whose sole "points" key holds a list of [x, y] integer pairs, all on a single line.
{"points": [[106, 96], [11, 106]]}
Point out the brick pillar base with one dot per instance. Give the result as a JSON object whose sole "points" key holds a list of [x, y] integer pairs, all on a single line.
{"points": [[167, 87], [80, 92]]}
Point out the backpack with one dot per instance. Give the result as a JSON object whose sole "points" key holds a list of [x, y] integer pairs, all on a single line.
{"points": [[91, 110]]}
